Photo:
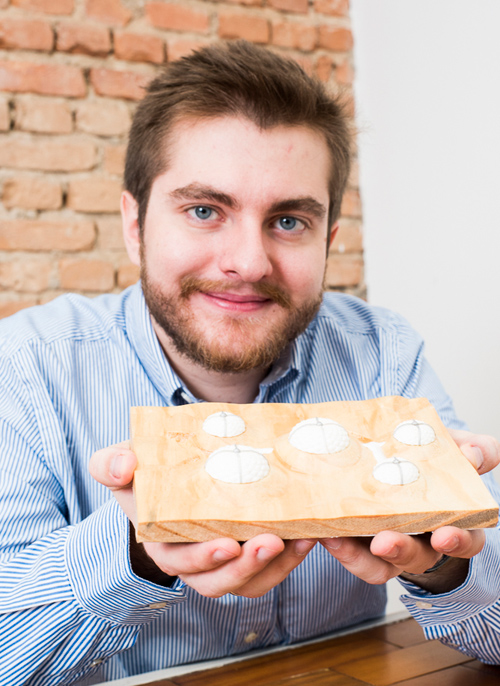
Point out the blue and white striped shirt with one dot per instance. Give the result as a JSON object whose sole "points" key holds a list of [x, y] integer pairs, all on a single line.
{"points": [[71, 609]]}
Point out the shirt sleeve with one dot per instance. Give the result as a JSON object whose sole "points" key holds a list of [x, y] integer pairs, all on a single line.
{"points": [[68, 594]]}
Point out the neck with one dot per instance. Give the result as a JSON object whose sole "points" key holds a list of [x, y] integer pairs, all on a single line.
{"points": [[208, 385]]}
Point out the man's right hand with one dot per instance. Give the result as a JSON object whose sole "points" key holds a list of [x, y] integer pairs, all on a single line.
{"points": [[212, 568]]}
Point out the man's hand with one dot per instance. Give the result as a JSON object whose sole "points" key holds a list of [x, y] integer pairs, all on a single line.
{"points": [[390, 554], [213, 568]]}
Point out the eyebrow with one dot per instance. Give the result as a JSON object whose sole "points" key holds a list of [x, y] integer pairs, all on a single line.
{"points": [[195, 191]]}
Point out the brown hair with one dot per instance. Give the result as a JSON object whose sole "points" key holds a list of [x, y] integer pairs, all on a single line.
{"points": [[235, 79]]}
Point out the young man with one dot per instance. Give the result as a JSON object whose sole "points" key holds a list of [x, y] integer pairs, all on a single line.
{"points": [[236, 166]]}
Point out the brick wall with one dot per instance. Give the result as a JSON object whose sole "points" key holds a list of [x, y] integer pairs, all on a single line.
{"points": [[71, 73]]}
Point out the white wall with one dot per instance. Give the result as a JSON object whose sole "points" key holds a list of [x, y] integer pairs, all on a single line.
{"points": [[428, 97]]}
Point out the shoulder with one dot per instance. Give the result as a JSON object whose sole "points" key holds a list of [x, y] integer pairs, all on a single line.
{"points": [[68, 317]]}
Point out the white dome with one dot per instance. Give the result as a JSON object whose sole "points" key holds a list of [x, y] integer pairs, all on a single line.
{"points": [[396, 472], [224, 425], [319, 436], [413, 432], [237, 464]]}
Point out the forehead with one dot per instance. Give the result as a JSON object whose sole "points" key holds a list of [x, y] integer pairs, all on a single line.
{"points": [[234, 154]]}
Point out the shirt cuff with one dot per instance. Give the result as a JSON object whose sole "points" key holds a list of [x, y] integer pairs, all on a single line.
{"points": [[98, 564], [480, 590]]}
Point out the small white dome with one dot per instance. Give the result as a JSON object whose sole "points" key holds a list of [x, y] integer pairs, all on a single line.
{"points": [[319, 436], [396, 472], [237, 464], [224, 425], [414, 432]]}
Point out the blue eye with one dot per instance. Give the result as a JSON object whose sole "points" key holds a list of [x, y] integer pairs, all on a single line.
{"points": [[287, 223], [203, 212]]}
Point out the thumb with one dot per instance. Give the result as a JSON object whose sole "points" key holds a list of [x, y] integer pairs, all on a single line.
{"points": [[114, 467]]}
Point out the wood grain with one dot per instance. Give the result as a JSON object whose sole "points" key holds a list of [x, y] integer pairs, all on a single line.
{"points": [[304, 495]]}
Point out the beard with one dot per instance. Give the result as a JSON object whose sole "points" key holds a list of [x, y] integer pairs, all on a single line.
{"points": [[233, 344]]}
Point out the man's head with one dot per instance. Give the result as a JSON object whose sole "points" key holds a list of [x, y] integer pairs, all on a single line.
{"points": [[235, 172], [233, 79]]}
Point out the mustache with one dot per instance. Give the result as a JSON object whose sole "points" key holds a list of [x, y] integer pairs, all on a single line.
{"points": [[191, 284]]}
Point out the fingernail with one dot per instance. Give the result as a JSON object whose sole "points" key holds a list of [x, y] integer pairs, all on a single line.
{"points": [[450, 546], [264, 554], [334, 543], [391, 553], [303, 546], [221, 555], [115, 468], [478, 456]]}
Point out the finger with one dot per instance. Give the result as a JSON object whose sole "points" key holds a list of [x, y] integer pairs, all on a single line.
{"points": [[114, 466], [232, 576], [355, 555], [482, 451], [278, 568], [183, 559], [450, 540], [413, 554]]}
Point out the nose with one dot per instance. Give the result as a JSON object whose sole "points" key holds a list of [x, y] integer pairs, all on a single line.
{"points": [[245, 252]]}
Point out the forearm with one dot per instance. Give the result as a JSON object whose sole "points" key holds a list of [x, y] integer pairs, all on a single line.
{"points": [[449, 574]]}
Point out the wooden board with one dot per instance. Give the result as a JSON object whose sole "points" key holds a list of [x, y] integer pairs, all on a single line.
{"points": [[304, 495]]}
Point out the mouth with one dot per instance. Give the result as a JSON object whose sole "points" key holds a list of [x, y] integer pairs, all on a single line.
{"points": [[236, 302]]}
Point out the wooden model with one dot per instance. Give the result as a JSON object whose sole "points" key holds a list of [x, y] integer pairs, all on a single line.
{"points": [[301, 471]]}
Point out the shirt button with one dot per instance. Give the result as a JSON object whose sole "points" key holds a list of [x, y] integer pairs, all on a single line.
{"points": [[250, 638], [423, 605], [98, 661], [157, 606]]}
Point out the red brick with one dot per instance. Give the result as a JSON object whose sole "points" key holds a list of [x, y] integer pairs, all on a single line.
{"points": [[114, 159], [344, 73], [83, 39], [46, 6], [10, 307], [305, 62], [338, 8], [32, 193], [289, 34], [177, 17], [25, 34], [103, 118], [110, 235], [94, 195], [349, 237], [335, 38], [119, 84], [43, 235], [45, 79], [254, 3], [42, 115], [110, 12], [47, 155], [290, 5], [344, 270], [31, 276], [4, 115], [179, 48], [238, 25], [323, 67], [139, 47], [86, 275], [128, 274], [351, 203]]}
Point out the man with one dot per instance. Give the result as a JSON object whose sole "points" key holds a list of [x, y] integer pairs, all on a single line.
{"points": [[235, 170]]}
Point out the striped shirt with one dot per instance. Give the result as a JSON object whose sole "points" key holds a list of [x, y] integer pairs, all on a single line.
{"points": [[71, 609]]}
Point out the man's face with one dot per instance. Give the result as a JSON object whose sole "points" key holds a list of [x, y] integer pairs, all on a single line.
{"points": [[234, 242]]}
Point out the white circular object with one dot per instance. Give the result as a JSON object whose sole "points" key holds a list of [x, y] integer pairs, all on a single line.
{"points": [[237, 464], [414, 432], [319, 436], [224, 425], [396, 472]]}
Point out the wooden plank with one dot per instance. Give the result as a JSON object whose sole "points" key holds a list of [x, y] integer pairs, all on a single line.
{"points": [[456, 676], [406, 663], [270, 668], [324, 677], [304, 494], [403, 634]]}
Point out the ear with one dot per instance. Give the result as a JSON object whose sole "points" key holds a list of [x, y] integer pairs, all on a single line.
{"points": [[131, 233], [333, 233]]}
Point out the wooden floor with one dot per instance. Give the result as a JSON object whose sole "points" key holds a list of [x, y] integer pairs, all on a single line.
{"points": [[382, 656]]}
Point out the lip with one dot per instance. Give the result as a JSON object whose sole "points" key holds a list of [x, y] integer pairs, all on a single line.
{"points": [[236, 302]]}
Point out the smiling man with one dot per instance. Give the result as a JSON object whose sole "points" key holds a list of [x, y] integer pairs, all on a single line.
{"points": [[236, 166]]}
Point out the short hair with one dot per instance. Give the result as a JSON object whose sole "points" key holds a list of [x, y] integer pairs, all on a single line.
{"points": [[233, 79]]}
